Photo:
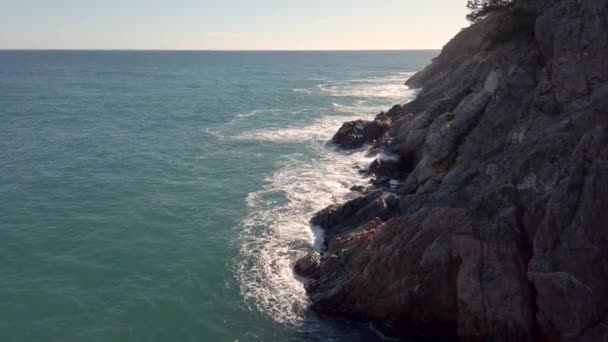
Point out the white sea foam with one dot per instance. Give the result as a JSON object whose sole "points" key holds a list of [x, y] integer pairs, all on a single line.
{"points": [[356, 89], [380, 87], [320, 130], [365, 109], [388, 157], [301, 91], [247, 115], [276, 232], [259, 112], [215, 132]]}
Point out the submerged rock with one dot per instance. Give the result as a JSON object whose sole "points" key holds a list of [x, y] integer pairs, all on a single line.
{"points": [[500, 228]]}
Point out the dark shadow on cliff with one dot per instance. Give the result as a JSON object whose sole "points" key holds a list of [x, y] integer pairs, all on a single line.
{"points": [[322, 328]]}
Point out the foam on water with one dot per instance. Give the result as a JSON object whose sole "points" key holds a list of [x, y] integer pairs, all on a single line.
{"points": [[214, 132], [301, 91], [276, 232], [367, 108], [250, 114], [320, 130], [391, 87]]}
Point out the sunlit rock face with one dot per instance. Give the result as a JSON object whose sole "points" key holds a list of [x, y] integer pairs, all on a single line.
{"points": [[499, 229]]}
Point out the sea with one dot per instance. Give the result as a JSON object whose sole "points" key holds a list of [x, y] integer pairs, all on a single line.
{"points": [[165, 195]]}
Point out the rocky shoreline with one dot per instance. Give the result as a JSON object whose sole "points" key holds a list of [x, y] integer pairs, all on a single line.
{"points": [[492, 219]]}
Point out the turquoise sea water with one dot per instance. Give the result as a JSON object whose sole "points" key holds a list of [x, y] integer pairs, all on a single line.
{"points": [[164, 196]]}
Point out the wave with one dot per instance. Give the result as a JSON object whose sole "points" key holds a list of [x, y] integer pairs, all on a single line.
{"points": [[365, 109], [215, 132], [301, 91], [391, 87], [364, 90], [243, 116], [277, 233], [257, 112], [249, 114], [319, 131], [253, 113]]}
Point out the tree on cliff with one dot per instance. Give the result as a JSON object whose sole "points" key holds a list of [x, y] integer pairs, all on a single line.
{"points": [[481, 8]]}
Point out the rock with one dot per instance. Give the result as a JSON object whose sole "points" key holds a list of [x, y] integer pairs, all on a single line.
{"points": [[355, 134], [308, 265], [567, 306], [499, 231], [411, 136], [445, 134], [350, 135], [339, 242], [359, 188], [393, 169], [338, 218], [395, 270], [569, 265]]}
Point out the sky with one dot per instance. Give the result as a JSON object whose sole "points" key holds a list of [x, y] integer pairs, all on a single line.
{"points": [[229, 24]]}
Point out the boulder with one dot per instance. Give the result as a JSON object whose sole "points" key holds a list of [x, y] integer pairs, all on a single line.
{"points": [[356, 134], [308, 265]]}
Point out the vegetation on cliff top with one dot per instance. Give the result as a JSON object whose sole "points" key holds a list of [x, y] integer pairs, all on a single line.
{"points": [[481, 8]]}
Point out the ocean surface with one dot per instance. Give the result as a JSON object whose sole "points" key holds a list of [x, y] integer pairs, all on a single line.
{"points": [[164, 196]]}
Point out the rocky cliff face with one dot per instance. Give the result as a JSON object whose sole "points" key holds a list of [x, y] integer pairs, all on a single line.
{"points": [[498, 228]]}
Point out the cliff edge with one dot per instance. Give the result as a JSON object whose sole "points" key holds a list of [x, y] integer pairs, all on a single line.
{"points": [[493, 220]]}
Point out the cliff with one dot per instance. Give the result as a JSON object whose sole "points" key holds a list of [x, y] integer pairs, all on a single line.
{"points": [[498, 227]]}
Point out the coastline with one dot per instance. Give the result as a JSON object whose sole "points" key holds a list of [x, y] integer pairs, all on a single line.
{"points": [[471, 230], [276, 232]]}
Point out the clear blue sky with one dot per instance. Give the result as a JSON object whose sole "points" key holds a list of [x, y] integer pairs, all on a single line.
{"points": [[229, 24]]}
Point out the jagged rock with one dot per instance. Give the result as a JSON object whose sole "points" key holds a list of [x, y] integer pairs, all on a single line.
{"points": [[445, 134], [340, 242], [308, 265], [350, 135], [570, 262], [359, 188], [335, 219], [411, 136], [388, 168], [405, 273], [355, 134], [500, 232]]}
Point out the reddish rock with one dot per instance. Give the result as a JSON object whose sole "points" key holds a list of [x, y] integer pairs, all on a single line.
{"points": [[308, 265]]}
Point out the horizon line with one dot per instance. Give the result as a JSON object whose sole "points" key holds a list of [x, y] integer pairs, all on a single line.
{"points": [[220, 50]]}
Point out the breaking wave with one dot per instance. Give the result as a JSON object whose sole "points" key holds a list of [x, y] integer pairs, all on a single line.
{"points": [[276, 232], [320, 130], [387, 88]]}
